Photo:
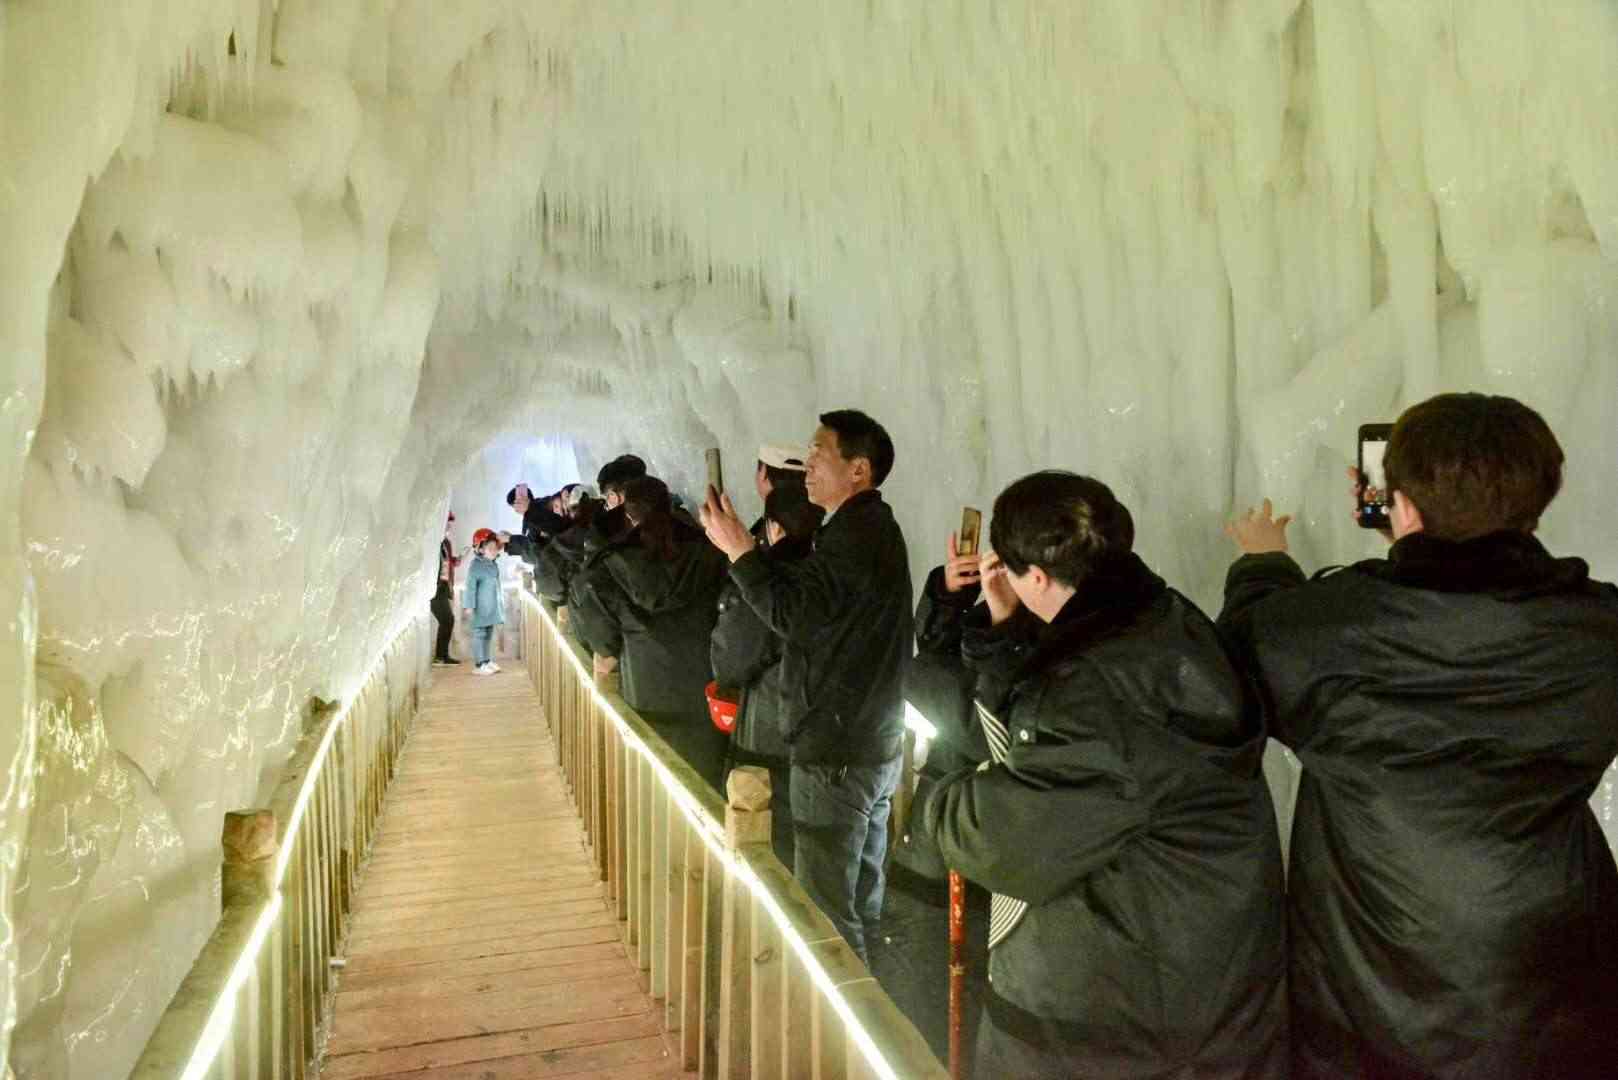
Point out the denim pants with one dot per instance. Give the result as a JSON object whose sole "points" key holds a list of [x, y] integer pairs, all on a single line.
{"points": [[481, 637], [840, 829]]}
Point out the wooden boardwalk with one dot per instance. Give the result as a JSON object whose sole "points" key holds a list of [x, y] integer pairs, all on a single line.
{"points": [[481, 948]]}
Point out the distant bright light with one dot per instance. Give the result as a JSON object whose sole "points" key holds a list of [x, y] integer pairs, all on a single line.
{"points": [[918, 723]]}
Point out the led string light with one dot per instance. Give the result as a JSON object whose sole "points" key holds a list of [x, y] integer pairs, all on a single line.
{"points": [[713, 835]]}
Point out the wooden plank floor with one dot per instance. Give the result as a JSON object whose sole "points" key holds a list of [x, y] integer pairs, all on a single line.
{"points": [[481, 948]]}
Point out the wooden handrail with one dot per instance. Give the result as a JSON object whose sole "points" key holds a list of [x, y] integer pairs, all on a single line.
{"points": [[256, 1001], [755, 980]]}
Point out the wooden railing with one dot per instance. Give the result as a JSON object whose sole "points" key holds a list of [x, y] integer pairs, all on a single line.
{"points": [[754, 979], [256, 1001]]}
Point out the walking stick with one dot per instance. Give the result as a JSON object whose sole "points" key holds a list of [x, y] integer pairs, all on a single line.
{"points": [[957, 972]]}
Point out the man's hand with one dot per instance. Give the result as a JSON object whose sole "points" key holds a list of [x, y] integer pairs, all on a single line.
{"points": [[997, 591], [604, 665], [725, 530], [960, 571], [1259, 532]]}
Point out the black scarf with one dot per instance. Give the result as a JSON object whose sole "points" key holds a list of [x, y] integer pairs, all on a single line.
{"points": [[1107, 602], [1508, 565]]}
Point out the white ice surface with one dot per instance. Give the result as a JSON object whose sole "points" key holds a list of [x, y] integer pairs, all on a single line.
{"points": [[272, 275]]}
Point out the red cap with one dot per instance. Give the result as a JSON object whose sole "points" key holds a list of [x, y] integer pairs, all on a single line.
{"points": [[481, 536]]}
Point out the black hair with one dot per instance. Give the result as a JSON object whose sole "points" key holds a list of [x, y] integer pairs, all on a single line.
{"points": [[1064, 523], [858, 436], [511, 496], [1474, 464], [618, 472], [783, 479], [647, 503], [793, 511], [586, 511]]}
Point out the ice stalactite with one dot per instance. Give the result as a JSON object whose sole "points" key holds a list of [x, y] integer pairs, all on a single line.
{"points": [[272, 274]]}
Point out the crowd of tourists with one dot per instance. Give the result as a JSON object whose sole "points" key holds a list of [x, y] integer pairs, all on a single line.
{"points": [[1449, 904]]}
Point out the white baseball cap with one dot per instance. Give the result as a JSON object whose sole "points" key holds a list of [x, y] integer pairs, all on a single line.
{"points": [[785, 457]]}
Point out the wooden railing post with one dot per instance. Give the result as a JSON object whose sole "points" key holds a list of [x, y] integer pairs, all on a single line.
{"points": [[747, 821]]}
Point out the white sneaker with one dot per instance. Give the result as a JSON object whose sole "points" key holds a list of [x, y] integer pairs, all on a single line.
{"points": [[484, 669], [493, 667]]}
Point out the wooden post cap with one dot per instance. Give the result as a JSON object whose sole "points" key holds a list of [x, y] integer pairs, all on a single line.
{"points": [[249, 836], [747, 805]]}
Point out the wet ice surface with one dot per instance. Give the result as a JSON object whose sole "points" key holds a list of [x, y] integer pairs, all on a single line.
{"points": [[257, 317]]}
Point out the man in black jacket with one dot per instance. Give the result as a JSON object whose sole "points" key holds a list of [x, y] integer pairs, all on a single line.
{"points": [[1125, 825], [844, 613], [1453, 904], [541, 522]]}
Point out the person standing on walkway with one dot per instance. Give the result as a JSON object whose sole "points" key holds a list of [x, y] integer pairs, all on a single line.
{"points": [[747, 657], [485, 601], [1452, 902], [650, 603], [844, 616], [779, 468], [443, 604], [1124, 826]]}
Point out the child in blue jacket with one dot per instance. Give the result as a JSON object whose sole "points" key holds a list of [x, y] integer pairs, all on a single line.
{"points": [[484, 599]]}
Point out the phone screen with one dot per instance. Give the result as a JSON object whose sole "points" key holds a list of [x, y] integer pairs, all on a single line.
{"points": [[716, 476], [1374, 499], [971, 526]]}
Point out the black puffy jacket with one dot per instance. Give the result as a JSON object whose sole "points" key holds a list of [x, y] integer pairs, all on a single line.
{"points": [[746, 656], [844, 613], [559, 561], [1131, 816], [1453, 904], [656, 616], [938, 684]]}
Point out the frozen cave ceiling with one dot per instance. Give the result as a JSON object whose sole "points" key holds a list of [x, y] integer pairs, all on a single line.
{"points": [[272, 274]]}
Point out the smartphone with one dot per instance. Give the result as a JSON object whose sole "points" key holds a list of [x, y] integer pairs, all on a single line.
{"points": [[1374, 500], [966, 542], [716, 475]]}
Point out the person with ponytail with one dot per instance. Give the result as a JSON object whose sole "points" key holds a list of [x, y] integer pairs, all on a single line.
{"points": [[651, 601]]}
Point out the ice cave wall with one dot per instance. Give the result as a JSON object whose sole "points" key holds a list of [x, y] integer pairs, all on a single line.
{"points": [[272, 274]]}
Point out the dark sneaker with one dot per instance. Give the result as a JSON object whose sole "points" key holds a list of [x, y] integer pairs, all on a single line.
{"points": [[443, 660]]}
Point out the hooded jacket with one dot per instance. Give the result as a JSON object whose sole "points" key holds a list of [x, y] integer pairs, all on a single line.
{"points": [[1131, 818], [1453, 904], [656, 616], [484, 597], [844, 616], [746, 656]]}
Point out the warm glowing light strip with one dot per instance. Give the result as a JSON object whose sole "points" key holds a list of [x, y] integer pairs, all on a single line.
{"points": [[223, 1016], [713, 834]]}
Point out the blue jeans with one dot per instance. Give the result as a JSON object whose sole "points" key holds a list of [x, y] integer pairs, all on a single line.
{"points": [[481, 637], [840, 829]]}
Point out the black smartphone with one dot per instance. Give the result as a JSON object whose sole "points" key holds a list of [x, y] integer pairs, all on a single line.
{"points": [[1374, 501], [966, 542], [716, 475]]}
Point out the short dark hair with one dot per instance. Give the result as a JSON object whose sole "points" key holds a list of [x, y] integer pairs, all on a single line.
{"points": [[792, 510], [648, 504], [618, 472], [858, 436], [1474, 464], [784, 479], [1064, 523], [511, 496]]}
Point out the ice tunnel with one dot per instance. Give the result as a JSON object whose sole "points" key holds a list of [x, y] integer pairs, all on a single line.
{"points": [[276, 278]]}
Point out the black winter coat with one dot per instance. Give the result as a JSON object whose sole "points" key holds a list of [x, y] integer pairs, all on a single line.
{"points": [[1131, 815], [844, 613], [746, 656], [656, 616], [559, 561], [938, 685], [1453, 903]]}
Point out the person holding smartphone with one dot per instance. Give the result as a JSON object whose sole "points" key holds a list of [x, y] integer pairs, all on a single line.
{"points": [[1452, 902], [1122, 821]]}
